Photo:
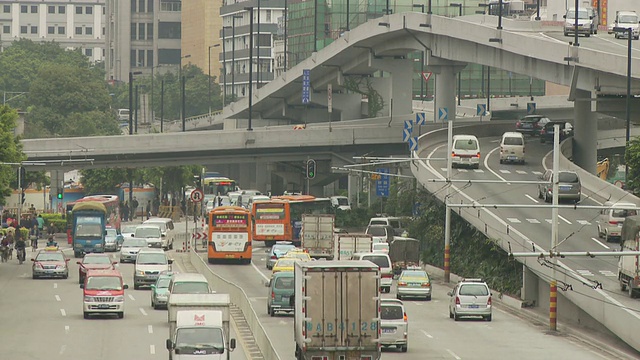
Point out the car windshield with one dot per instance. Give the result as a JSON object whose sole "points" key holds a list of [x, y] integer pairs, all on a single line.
{"points": [[49, 256], [200, 340], [96, 260], [103, 283], [381, 261], [621, 213], [134, 243], [298, 255], [473, 290], [151, 259], [89, 230], [148, 232], [567, 177], [378, 222], [112, 232], [513, 141], [159, 224], [343, 201], [284, 283], [282, 249], [163, 283], [414, 274], [571, 14], [286, 262], [391, 312], [380, 246], [466, 144], [628, 19], [129, 229], [376, 231], [190, 288]]}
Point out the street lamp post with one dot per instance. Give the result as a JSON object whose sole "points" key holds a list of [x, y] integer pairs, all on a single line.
{"points": [[629, 32], [233, 55], [258, 49], [315, 25], [224, 66], [459, 6], [250, 9], [136, 110], [131, 99], [429, 7], [209, 98], [162, 106], [182, 95], [286, 15], [575, 24], [500, 14]]}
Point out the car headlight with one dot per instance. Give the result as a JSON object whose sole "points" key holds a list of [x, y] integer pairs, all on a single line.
{"points": [[140, 272], [59, 267], [162, 296], [89, 299], [118, 298]]}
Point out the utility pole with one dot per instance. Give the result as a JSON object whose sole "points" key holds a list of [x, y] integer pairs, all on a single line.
{"points": [[553, 290], [447, 218]]}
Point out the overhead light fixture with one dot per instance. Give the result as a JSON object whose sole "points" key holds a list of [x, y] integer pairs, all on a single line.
{"points": [[383, 24], [425, 25], [495, 40]]}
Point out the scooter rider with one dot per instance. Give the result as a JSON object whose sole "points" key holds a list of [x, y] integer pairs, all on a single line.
{"points": [[20, 249], [51, 242]]}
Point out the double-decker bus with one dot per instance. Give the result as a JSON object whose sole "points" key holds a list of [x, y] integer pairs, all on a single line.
{"points": [[230, 234], [110, 202], [280, 219], [214, 186]]}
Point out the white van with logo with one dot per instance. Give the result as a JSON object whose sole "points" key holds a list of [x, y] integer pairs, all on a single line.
{"points": [[465, 151], [512, 148], [610, 220], [166, 228]]}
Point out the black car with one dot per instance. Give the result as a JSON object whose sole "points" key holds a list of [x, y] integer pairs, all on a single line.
{"points": [[546, 134], [531, 124]]}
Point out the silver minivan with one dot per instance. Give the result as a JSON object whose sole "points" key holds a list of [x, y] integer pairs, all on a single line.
{"points": [[384, 263], [394, 324], [150, 263], [512, 148], [167, 228], [569, 187], [610, 220]]}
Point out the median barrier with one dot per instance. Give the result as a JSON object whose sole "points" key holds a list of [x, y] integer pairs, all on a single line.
{"points": [[238, 298]]}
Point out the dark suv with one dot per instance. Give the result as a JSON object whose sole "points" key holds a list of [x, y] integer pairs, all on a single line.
{"points": [[569, 187], [546, 134], [531, 124]]}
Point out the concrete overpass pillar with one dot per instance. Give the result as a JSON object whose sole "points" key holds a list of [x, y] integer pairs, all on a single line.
{"points": [[529, 293], [446, 82], [398, 95], [247, 176], [585, 151], [263, 177]]}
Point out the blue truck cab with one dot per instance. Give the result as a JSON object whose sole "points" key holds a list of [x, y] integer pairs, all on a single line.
{"points": [[89, 227]]}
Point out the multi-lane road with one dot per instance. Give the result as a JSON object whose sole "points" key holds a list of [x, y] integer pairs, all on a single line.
{"points": [[42, 319]]}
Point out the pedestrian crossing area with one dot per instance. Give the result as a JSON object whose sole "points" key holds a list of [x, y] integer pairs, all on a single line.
{"points": [[588, 273], [561, 219], [503, 171]]}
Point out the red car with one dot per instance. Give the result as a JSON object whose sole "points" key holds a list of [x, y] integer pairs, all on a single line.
{"points": [[94, 262]]}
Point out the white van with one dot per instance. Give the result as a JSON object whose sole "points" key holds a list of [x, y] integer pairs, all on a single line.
{"points": [[611, 220], [465, 151], [189, 283], [384, 263], [394, 222], [168, 231], [341, 202], [512, 147]]}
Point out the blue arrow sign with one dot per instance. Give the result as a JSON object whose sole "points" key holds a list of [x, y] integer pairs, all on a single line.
{"points": [[408, 124], [443, 114], [481, 110], [413, 143], [531, 108], [406, 134], [421, 119]]}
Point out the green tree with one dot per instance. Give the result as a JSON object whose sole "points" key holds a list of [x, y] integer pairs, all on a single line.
{"points": [[103, 181], [632, 159], [10, 151]]}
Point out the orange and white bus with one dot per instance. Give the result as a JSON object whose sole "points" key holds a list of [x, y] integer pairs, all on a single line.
{"points": [[230, 234], [280, 219]]}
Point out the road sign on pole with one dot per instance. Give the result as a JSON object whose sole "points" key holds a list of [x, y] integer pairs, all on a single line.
{"points": [[443, 114], [426, 75], [408, 124], [406, 134], [306, 86], [197, 195], [413, 143], [329, 97], [421, 118], [481, 110], [382, 185], [531, 108]]}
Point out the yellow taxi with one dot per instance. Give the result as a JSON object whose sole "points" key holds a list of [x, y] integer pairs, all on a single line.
{"points": [[298, 254], [414, 282], [284, 264]]}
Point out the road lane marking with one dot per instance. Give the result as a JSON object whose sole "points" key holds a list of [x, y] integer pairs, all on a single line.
{"points": [[150, 329], [600, 243], [55, 285], [259, 271], [454, 355], [505, 171], [583, 222], [427, 334], [66, 329], [531, 198], [533, 221], [521, 172], [132, 298], [64, 313], [514, 220], [565, 220], [585, 272], [152, 349], [486, 165], [143, 312], [58, 298], [608, 273], [62, 349], [536, 172], [443, 169], [282, 322]]}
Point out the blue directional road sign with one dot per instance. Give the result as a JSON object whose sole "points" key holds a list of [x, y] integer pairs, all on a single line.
{"points": [[406, 134], [443, 114], [408, 124], [421, 119], [413, 143], [306, 86], [531, 108], [481, 110], [382, 185]]}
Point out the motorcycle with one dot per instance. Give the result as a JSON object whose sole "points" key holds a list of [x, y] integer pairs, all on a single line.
{"points": [[4, 253], [21, 253]]}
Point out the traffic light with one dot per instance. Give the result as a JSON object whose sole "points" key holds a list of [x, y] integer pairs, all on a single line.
{"points": [[311, 169], [60, 192], [22, 177]]}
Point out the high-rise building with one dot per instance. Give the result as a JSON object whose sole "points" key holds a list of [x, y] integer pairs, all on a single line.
{"points": [[201, 25], [71, 23], [142, 35]]}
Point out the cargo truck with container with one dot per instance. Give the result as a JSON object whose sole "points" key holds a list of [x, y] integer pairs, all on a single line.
{"points": [[348, 244], [317, 235], [179, 302], [200, 334], [629, 266], [404, 252], [337, 310]]}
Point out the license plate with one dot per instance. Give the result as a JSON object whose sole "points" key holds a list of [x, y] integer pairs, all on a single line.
{"points": [[229, 256], [103, 306], [285, 299], [565, 187], [414, 284], [388, 331], [473, 306], [511, 157]]}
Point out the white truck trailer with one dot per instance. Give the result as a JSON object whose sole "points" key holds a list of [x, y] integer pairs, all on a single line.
{"points": [[337, 312], [629, 266], [200, 333], [317, 235], [348, 244], [179, 302]]}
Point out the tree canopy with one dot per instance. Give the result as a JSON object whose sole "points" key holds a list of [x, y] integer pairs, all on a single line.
{"points": [[10, 151]]}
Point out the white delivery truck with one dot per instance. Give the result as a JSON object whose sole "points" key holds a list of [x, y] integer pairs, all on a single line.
{"points": [[179, 302], [349, 244], [337, 312], [200, 334], [317, 235], [629, 266]]}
